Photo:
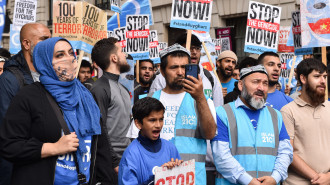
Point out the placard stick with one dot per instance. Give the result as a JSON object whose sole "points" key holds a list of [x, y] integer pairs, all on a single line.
{"points": [[188, 40], [292, 70], [81, 54], [211, 63], [137, 71], [118, 20], [324, 60]]}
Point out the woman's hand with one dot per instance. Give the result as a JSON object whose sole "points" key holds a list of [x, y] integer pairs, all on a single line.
{"points": [[66, 144]]}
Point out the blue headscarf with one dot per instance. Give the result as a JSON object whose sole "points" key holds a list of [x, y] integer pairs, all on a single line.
{"points": [[80, 111]]}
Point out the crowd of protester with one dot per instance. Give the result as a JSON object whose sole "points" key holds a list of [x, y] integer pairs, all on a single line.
{"points": [[59, 128]]}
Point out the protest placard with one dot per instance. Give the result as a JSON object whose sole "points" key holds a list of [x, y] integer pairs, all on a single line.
{"points": [[67, 21], [2, 16], [92, 29], [191, 14], [225, 35], [115, 6], [263, 24], [286, 61], [296, 32], [111, 34], [14, 43], [137, 36], [183, 174], [24, 12], [217, 44], [154, 47], [120, 34], [283, 39], [162, 45], [315, 27]]}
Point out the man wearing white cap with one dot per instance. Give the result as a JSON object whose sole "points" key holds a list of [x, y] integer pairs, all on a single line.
{"points": [[226, 63], [252, 146]]}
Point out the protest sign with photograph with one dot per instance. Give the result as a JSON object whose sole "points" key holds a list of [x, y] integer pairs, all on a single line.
{"points": [[24, 12], [115, 6], [154, 47], [137, 36], [263, 24], [120, 34], [225, 35], [183, 174], [296, 33], [191, 14], [283, 39], [315, 27], [162, 45], [217, 44], [14, 43]]}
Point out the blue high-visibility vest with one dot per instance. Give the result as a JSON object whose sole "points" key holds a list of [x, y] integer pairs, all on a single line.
{"points": [[255, 150]]}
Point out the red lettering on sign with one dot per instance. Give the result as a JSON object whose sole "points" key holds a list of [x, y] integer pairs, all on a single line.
{"points": [[188, 180], [170, 179], [160, 182], [180, 176]]}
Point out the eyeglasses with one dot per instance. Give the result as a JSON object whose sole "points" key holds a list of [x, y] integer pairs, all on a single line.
{"points": [[192, 48]]}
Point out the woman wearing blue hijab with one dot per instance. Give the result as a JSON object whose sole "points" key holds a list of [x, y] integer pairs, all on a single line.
{"points": [[31, 136]]}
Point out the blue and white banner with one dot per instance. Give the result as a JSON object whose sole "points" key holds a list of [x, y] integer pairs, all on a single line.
{"points": [[115, 6], [127, 80], [14, 42], [191, 14], [131, 7], [2, 16]]}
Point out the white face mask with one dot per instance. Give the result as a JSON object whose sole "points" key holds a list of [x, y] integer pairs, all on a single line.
{"points": [[65, 69]]}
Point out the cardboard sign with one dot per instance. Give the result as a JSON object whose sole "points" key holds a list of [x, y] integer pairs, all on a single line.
{"points": [[263, 25], [81, 23], [154, 47], [217, 44], [283, 39], [162, 45], [14, 43], [24, 12], [115, 6], [315, 26], [191, 14], [120, 34], [183, 174], [137, 36], [296, 32]]}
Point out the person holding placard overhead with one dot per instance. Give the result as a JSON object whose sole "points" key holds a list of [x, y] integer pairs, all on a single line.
{"points": [[271, 61], [307, 121], [252, 146]]}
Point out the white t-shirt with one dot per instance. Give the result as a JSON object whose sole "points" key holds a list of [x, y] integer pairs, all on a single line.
{"points": [[172, 104]]}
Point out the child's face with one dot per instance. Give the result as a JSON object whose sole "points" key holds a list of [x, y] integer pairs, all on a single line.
{"points": [[152, 125]]}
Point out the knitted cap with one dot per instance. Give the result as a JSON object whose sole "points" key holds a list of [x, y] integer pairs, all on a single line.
{"points": [[253, 69], [175, 47], [227, 54]]}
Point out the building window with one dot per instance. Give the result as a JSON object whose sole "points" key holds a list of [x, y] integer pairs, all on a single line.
{"points": [[103, 4]]}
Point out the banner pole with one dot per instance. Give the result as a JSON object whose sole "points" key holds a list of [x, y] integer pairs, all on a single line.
{"points": [[118, 20], [81, 54], [137, 71], [188, 42], [211, 63], [324, 61], [292, 70]]}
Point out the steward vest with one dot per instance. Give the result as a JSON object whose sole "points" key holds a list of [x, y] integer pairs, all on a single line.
{"points": [[187, 137], [254, 149]]}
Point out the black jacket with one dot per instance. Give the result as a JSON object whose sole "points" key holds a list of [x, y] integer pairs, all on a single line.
{"points": [[29, 122], [232, 96]]}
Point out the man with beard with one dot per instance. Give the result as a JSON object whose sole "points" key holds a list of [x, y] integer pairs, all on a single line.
{"points": [[271, 61], [226, 63], [210, 84], [188, 119], [146, 76], [18, 72], [252, 146], [307, 121], [114, 102]]}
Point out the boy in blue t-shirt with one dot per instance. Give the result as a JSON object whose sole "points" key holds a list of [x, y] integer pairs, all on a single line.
{"points": [[147, 151]]}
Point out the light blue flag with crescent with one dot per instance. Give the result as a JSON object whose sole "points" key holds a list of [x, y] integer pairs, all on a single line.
{"points": [[2, 16], [131, 7], [14, 43]]}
